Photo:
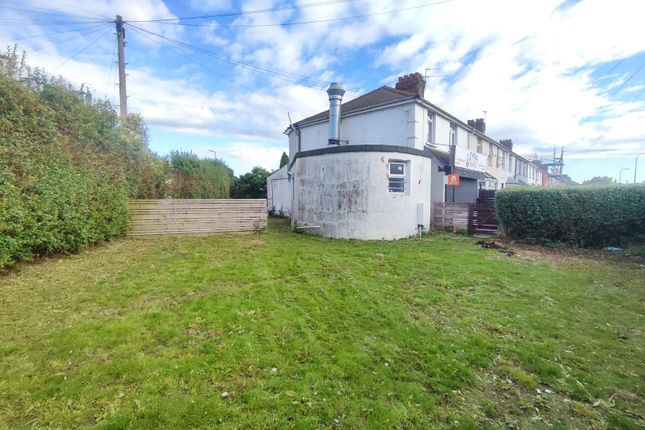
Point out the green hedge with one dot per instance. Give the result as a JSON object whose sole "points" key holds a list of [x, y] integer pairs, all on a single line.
{"points": [[579, 216], [59, 190]]}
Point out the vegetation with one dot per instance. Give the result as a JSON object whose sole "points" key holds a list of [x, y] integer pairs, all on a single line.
{"points": [[252, 185], [285, 330], [580, 216], [599, 180], [195, 178], [68, 165], [284, 160]]}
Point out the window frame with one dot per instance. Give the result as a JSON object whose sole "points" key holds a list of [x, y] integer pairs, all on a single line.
{"points": [[431, 128], [398, 177], [452, 137]]}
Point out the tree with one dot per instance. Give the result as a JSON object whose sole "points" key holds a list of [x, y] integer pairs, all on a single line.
{"points": [[198, 178], [284, 160], [252, 185], [599, 180]]}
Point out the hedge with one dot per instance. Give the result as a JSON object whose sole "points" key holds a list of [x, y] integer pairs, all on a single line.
{"points": [[580, 216], [58, 190]]}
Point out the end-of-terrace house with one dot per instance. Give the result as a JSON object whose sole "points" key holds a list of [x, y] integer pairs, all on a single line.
{"points": [[370, 168]]}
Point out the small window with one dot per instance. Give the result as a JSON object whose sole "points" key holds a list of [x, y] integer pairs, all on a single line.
{"points": [[453, 134], [397, 169], [430, 137], [479, 145], [396, 178]]}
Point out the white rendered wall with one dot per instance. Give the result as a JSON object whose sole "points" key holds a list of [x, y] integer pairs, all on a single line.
{"points": [[279, 192], [388, 126], [347, 196]]}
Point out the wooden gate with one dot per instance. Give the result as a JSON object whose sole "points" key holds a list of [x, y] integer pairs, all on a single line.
{"points": [[482, 219]]}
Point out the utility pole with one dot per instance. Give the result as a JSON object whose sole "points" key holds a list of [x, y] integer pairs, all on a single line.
{"points": [[123, 96]]}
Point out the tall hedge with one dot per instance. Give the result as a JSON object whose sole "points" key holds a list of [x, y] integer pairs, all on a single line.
{"points": [[579, 216], [66, 165]]}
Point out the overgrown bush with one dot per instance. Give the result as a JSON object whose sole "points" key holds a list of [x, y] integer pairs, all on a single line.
{"points": [[67, 165], [199, 178], [579, 216]]}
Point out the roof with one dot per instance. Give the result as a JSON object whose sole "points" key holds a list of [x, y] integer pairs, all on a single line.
{"points": [[440, 156], [380, 96]]}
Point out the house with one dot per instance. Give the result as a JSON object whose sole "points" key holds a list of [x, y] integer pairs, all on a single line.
{"points": [[370, 168]]}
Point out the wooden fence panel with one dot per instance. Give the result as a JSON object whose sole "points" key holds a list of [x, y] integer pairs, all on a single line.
{"points": [[195, 216], [448, 215]]}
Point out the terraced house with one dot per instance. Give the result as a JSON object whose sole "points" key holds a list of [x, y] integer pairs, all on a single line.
{"points": [[372, 167]]}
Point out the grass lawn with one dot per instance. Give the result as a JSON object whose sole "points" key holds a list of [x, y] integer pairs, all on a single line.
{"points": [[283, 330]]}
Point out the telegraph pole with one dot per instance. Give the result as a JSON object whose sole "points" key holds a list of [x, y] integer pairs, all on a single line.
{"points": [[123, 97]]}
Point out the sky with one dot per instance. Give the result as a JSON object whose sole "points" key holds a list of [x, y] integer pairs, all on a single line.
{"points": [[222, 77]]}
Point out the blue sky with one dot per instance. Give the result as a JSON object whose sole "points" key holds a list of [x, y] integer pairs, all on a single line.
{"points": [[548, 73]]}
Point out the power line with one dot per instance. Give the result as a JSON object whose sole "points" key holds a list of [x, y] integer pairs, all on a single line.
{"points": [[271, 99], [347, 18], [44, 11], [629, 79], [230, 14], [92, 43], [280, 74], [35, 36], [101, 27], [109, 76]]}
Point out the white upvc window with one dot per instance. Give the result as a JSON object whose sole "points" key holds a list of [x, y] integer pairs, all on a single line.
{"points": [[397, 171], [453, 135], [479, 145], [430, 137]]}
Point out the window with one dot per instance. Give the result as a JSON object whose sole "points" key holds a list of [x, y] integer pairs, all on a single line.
{"points": [[430, 137], [498, 156], [490, 155], [504, 159], [396, 177], [479, 145], [453, 134]]}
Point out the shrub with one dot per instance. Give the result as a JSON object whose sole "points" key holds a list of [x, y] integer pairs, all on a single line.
{"points": [[579, 216], [199, 178], [63, 184]]}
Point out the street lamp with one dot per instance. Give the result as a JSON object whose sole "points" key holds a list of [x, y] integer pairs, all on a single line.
{"points": [[636, 164], [620, 174], [213, 151]]}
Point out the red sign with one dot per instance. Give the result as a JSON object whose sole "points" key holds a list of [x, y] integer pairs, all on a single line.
{"points": [[453, 180]]}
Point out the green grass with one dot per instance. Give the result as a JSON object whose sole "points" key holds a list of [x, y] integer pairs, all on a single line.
{"points": [[305, 332]]}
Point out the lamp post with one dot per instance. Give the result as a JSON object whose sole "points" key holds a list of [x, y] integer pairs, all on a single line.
{"points": [[636, 164], [213, 151], [620, 174]]}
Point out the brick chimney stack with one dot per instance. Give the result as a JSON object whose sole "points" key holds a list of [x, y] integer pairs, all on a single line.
{"points": [[478, 124], [412, 83], [507, 143]]}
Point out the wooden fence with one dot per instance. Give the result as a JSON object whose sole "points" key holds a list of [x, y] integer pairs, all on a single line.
{"points": [[449, 215], [194, 216]]}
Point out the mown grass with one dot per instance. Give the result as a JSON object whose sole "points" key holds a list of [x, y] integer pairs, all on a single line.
{"points": [[282, 330]]}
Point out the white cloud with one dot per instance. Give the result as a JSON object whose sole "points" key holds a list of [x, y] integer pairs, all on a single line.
{"points": [[528, 64]]}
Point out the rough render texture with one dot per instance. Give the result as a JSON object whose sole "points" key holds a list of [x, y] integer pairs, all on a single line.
{"points": [[347, 195]]}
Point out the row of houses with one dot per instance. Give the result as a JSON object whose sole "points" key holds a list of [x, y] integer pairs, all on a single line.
{"points": [[372, 167]]}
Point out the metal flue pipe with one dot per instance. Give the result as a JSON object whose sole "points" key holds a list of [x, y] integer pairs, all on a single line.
{"points": [[335, 92]]}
